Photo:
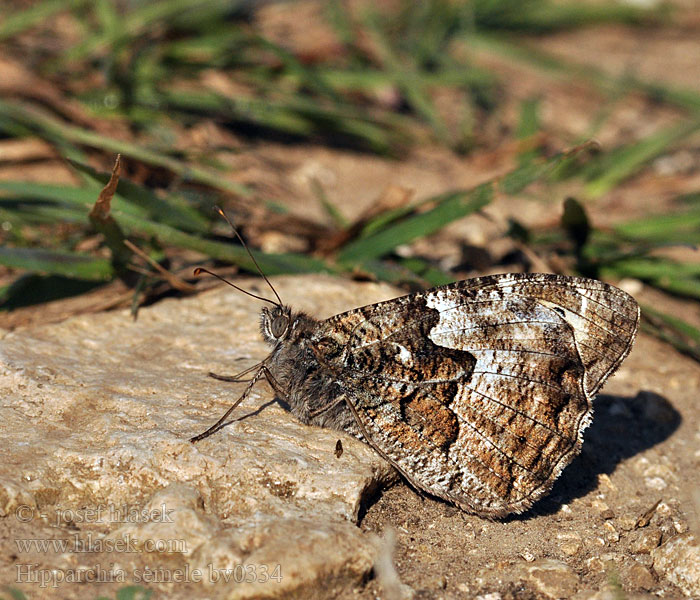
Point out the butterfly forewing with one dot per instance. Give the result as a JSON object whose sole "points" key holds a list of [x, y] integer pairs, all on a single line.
{"points": [[478, 391]]}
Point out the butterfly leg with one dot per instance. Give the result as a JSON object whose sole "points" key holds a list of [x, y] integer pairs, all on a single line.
{"points": [[318, 411], [237, 378], [220, 423], [274, 384], [229, 378]]}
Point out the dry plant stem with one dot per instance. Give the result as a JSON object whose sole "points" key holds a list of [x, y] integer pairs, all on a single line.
{"points": [[172, 279]]}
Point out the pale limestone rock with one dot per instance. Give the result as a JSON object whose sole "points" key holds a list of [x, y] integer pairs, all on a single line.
{"points": [[645, 540], [98, 411], [552, 578], [678, 560], [635, 576]]}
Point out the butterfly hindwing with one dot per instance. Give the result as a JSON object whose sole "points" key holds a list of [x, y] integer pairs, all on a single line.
{"points": [[478, 391]]}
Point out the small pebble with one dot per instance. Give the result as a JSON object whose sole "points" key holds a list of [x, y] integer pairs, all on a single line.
{"points": [[645, 540]]}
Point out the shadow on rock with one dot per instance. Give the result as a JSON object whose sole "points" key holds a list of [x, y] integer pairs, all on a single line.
{"points": [[622, 427]]}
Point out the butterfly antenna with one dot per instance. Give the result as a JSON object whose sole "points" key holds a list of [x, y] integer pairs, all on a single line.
{"points": [[200, 270], [255, 262]]}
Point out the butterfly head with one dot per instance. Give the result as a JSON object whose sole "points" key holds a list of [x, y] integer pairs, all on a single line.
{"points": [[275, 323]]}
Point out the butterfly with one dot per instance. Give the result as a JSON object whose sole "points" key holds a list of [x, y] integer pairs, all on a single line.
{"points": [[477, 392]]}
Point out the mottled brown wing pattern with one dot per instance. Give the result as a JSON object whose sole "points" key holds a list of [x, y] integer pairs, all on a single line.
{"points": [[478, 392]]}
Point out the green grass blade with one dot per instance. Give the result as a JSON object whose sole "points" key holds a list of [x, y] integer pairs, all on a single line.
{"points": [[622, 163], [528, 126], [680, 334], [544, 16], [56, 131], [68, 264], [576, 72], [339, 221], [271, 264], [388, 231], [294, 115], [407, 76], [655, 268], [25, 192], [680, 228], [450, 207], [140, 20], [40, 12], [50, 214], [423, 269], [678, 278], [173, 211], [690, 288]]}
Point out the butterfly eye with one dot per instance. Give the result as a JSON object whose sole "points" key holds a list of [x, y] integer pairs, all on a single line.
{"points": [[279, 326]]}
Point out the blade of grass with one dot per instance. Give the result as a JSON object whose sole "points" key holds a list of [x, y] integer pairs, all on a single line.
{"points": [[68, 264], [540, 17], [623, 162], [672, 330], [140, 20], [306, 76], [173, 211], [689, 288], [528, 126], [372, 80], [391, 272], [339, 221], [210, 49], [271, 264], [388, 231], [40, 12], [423, 269], [681, 228], [450, 207], [572, 71], [655, 268], [56, 131], [407, 76], [26, 192], [341, 21], [294, 115], [49, 214], [681, 279], [518, 179]]}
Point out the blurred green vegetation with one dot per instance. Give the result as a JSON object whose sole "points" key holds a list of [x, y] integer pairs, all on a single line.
{"points": [[129, 592], [141, 66]]}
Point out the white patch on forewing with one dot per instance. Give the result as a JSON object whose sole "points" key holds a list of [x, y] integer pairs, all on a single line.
{"points": [[404, 355], [495, 312], [584, 301], [439, 300], [573, 319]]}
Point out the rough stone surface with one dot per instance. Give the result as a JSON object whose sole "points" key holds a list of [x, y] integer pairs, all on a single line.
{"points": [[678, 560], [553, 578], [97, 413], [638, 577], [610, 592], [645, 540], [95, 420]]}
